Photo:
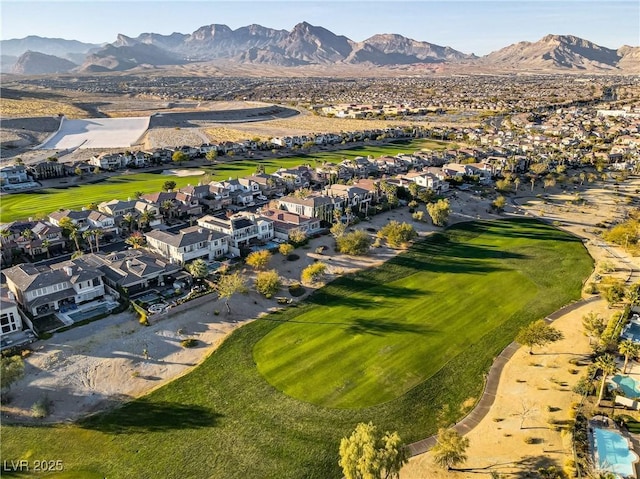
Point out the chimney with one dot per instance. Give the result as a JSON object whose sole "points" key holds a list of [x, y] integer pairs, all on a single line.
{"points": [[68, 270], [128, 263]]}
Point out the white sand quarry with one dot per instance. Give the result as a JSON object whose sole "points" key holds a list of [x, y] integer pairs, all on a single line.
{"points": [[97, 133]]}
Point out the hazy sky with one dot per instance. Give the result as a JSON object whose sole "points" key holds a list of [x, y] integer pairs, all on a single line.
{"points": [[472, 26]]}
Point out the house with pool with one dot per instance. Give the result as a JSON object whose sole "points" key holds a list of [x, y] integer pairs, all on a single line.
{"points": [[611, 450]]}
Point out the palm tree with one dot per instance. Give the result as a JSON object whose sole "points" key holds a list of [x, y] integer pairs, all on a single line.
{"points": [[97, 234], [168, 207], [87, 236], [136, 240], [28, 235], [4, 234], [46, 244], [74, 234], [630, 350], [146, 217], [129, 220], [516, 182], [607, 363]]}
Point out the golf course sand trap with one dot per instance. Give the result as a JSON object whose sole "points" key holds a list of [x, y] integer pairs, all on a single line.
{"points": [[97, 133], [183, 172]]}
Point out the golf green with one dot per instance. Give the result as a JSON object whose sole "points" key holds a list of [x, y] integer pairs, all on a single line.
{"points": [[394, 327]]}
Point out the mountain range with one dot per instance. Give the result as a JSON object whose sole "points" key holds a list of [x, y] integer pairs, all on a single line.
{"points": [[304, 45]]}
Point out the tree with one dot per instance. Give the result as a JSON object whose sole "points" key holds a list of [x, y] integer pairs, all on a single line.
{"points": [[338, 229], [286, 249], [97, 234], [607, 363], [439, 212], [516, 182], [313, 273], [168, 208], [613, 291], [228, 285], [169, 185], [450, 449], [11, 369], [145, 218], [633, 294], [354, 243], [297, 237], [198, 269], [46, 244], [368, 454], [136, 240], [179, 157], [538, 333], [87, 235], [211, 155], [29, 236], [630, 350], [129, 220], [504, 186], [499, 203], [397, 234], [259, 259], [268, 282], [74, 234], [594, 325]]}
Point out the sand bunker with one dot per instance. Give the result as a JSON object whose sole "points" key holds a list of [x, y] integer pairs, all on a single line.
{"points": [[183, 172], [97, 133]]}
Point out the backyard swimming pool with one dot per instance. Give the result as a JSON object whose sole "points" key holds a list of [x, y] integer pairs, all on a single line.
{"points": [[612, 453], [632, 331], [630, 387]]}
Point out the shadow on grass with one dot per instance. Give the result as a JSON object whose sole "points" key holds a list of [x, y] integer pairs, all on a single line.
{"points": [[381, 326], [144, 415]]}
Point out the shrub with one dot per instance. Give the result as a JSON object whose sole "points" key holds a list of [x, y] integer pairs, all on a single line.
{"points": [[286, 249], [189, 343], [268, 282], [259, 259], [41, 408], [397, 234], [418, 216], [354, 243], [313, 273]]}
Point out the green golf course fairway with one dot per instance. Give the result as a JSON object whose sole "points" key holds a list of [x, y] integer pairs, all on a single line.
{"points": [[396, 326], [40, 203], [224, 420]]}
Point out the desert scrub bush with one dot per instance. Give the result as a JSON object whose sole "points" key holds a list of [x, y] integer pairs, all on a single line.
{"points": [[313, 273], [41, 408], [355, 243], [268, 283], [189, 343]]}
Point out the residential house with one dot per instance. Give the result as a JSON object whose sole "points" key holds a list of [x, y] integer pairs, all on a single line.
{"points": [[285, 223], [315, 205], [218, 198], [240, 193], [270, 186], [13, 174], [295, 178], [354, 197], [42, 290], [108, 161], [188, 244], [242, 229], [47, 169], [10, 319], [134, 270]]}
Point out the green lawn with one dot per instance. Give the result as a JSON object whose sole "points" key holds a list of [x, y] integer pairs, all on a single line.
{"points": [[24, 205], [225, 420]]}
